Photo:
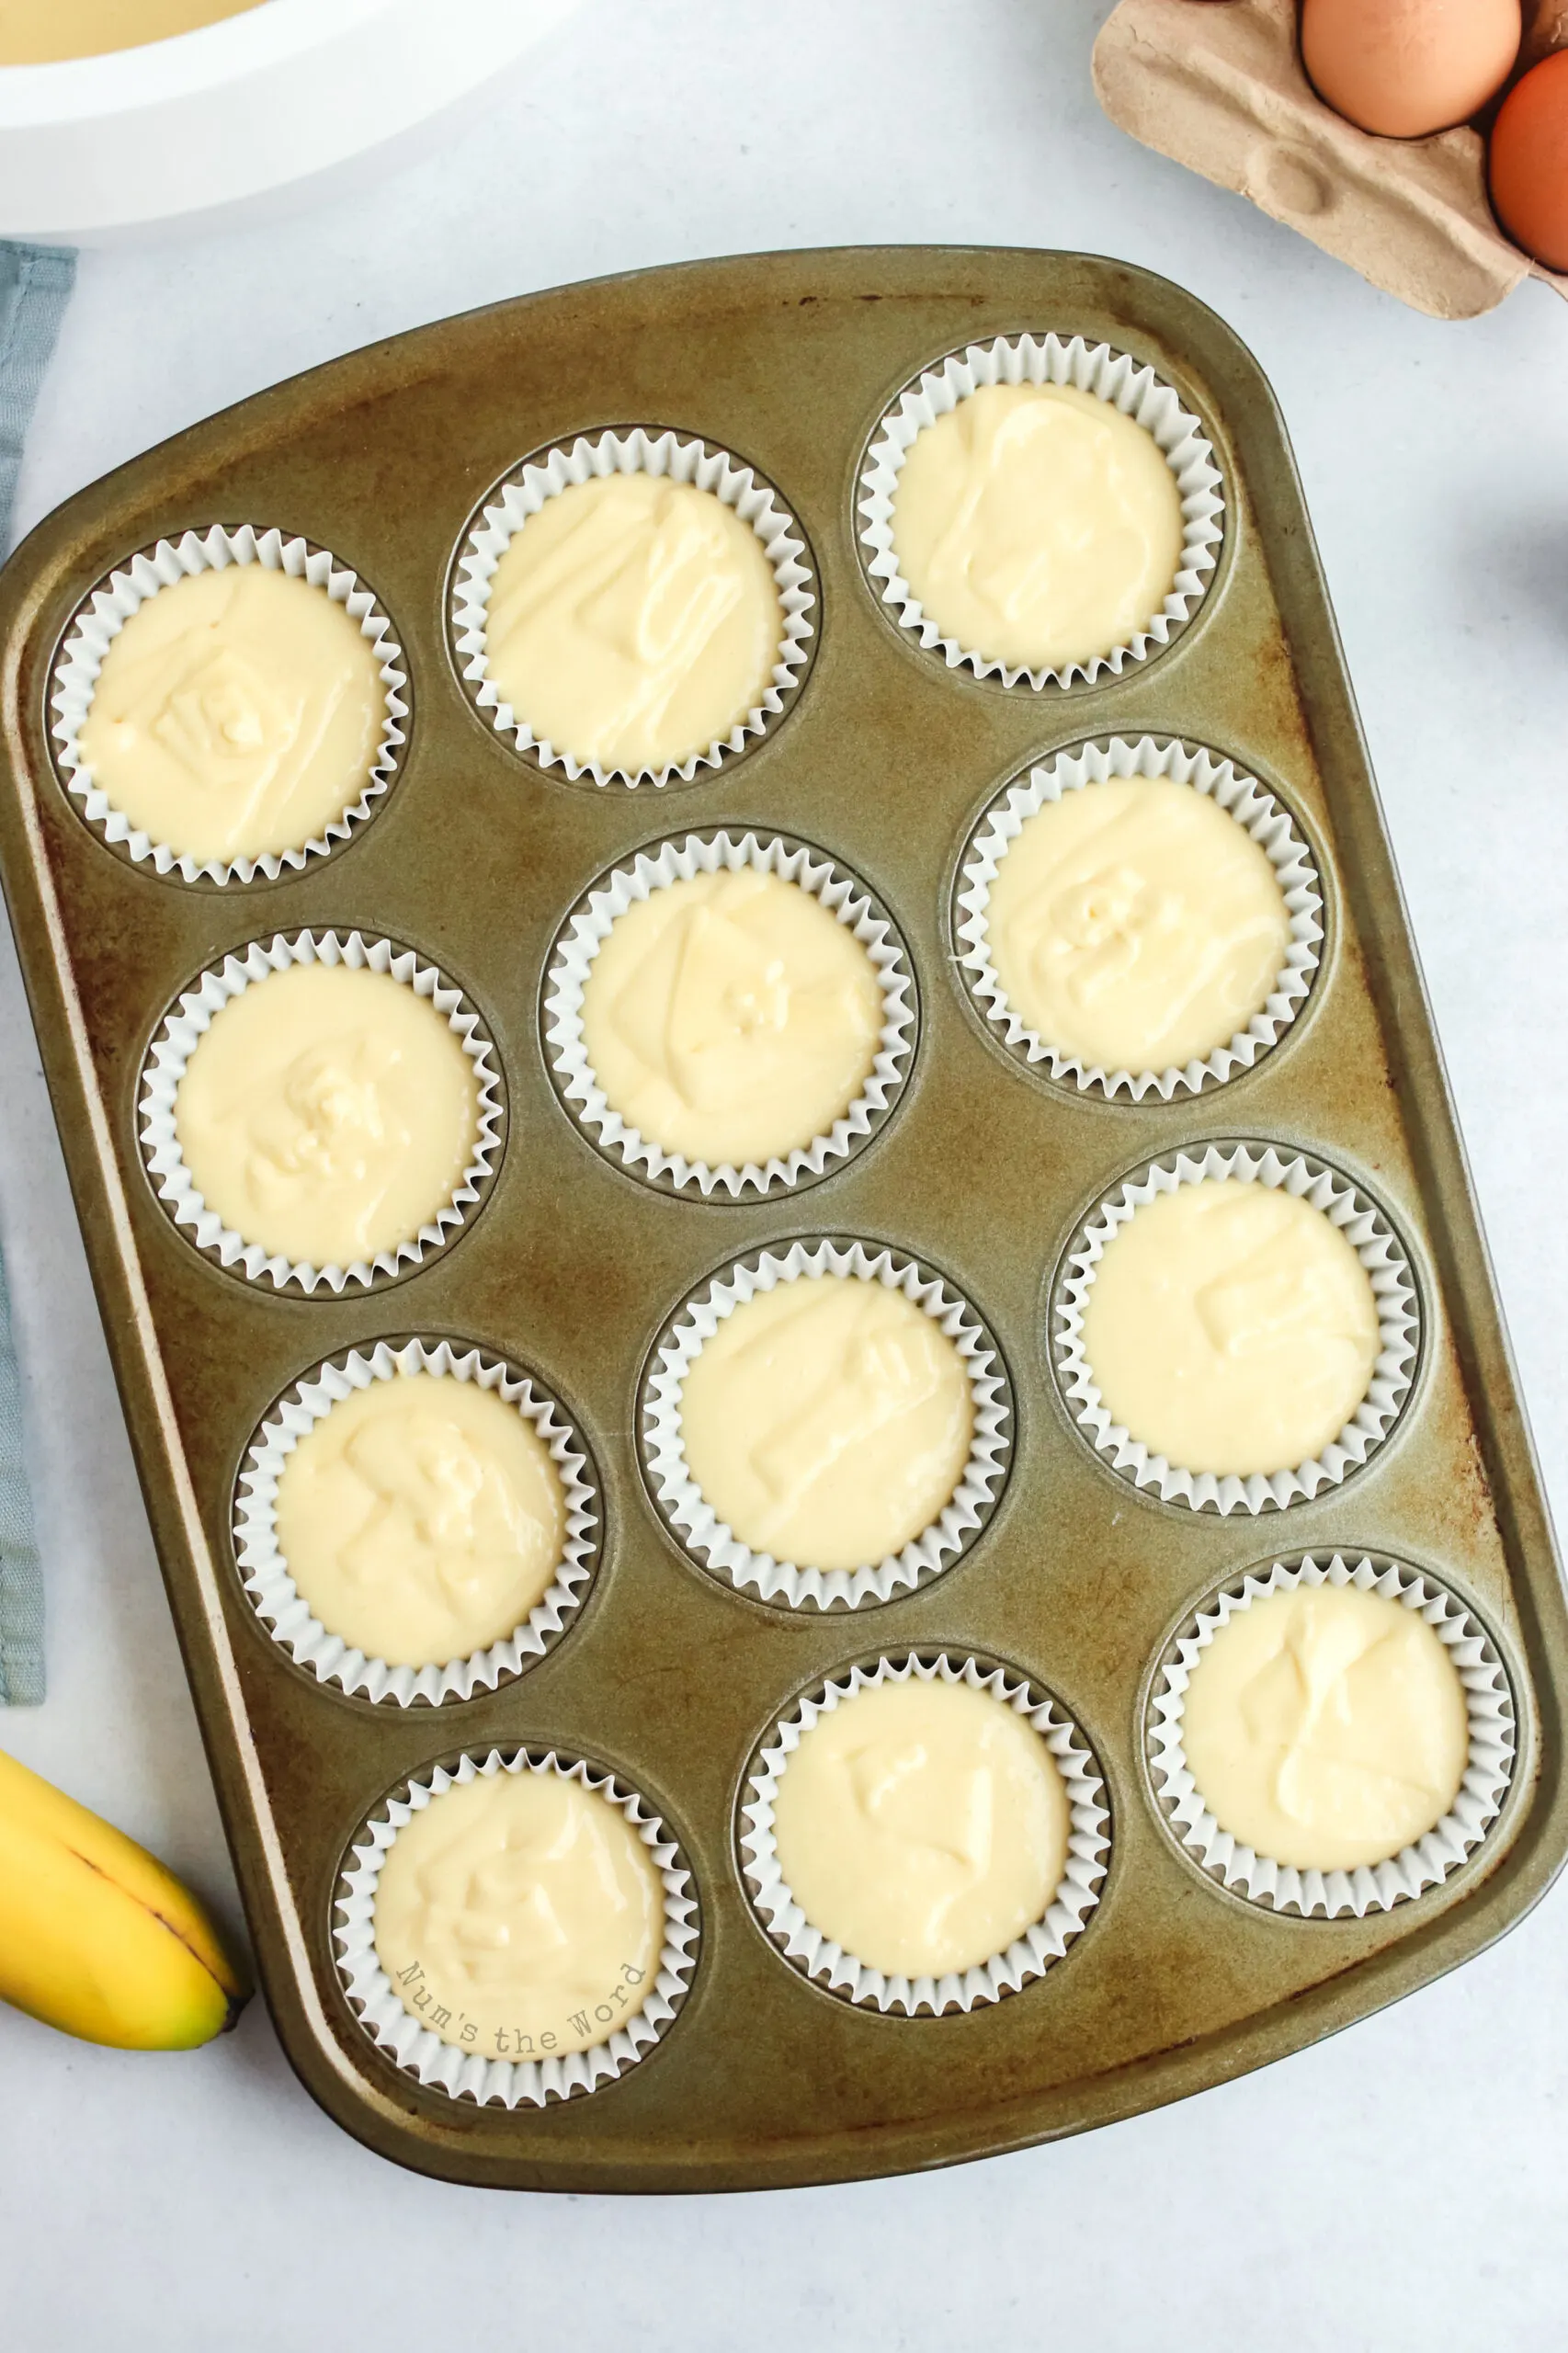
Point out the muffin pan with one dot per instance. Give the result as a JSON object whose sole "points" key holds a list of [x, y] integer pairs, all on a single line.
{"points": [[1075, 1581]]}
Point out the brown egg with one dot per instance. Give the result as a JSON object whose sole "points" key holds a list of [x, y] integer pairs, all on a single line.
{"points": [[1529, 162], [1408, 67]]}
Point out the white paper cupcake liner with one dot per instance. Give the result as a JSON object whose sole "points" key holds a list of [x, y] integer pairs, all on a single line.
{"points": [[265, 1569], [105, 613], [1376, 1244], [175, 1043], [636, 451], [589, 926], [1280, 1887], [1030, 1955], [1112, 376], [530, 2081], [692, 1519], [1242, 798]]}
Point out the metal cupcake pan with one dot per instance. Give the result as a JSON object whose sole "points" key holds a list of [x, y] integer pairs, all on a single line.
{"points": [[1076, 1577]]}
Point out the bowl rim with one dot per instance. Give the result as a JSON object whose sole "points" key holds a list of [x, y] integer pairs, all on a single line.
{"points": [[181, 65]]}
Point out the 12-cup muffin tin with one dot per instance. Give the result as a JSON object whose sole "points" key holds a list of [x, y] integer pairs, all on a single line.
{"points": [[1079, 1573]]}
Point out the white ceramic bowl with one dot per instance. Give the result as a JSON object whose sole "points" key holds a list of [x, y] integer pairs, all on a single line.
{"points": [[97, 148]]}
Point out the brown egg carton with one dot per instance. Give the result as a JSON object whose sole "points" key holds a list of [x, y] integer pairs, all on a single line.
{"points": [[1221, 88]]}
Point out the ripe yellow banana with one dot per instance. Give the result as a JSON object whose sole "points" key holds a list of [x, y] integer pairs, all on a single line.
{"points": [[95, 1937]]}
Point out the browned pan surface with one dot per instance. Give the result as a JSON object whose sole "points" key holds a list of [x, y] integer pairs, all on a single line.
{"points": [[572, 1268]]}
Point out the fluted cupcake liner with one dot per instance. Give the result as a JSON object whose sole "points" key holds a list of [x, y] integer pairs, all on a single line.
{"points": [[692, 1519], [1377, 1887], [98, 621], [643, 450], [1109, 375], [1364, 1226], [679, 860], [264, 1568], [188, 1020], [473, 2075], [1077, 1893], [1258, 813]]}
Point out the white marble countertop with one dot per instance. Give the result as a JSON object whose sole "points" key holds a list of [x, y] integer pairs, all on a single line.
{"points": [[1401, 2185]]}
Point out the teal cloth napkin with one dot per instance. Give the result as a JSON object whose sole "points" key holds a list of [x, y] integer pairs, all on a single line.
{"points": [[34, 283], [21, 1579]]}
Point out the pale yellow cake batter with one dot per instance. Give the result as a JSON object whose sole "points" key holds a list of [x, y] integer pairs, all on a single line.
{"points": [[327, 1114], [1326, 1727], [923, 1827], [1136, 926], [520, 1915], [827, 1421], [1231, 1328], [732, 1017], [238, 712], [40, 32], [1038, 526], [421, 1518], [633, 622]]}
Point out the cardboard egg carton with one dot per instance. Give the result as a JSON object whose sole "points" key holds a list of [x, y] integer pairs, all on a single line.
{"points": [[1221, 88]]}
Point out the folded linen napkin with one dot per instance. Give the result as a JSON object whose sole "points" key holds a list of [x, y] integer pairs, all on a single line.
{"points": [[34, 283], [21, 1582]]}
